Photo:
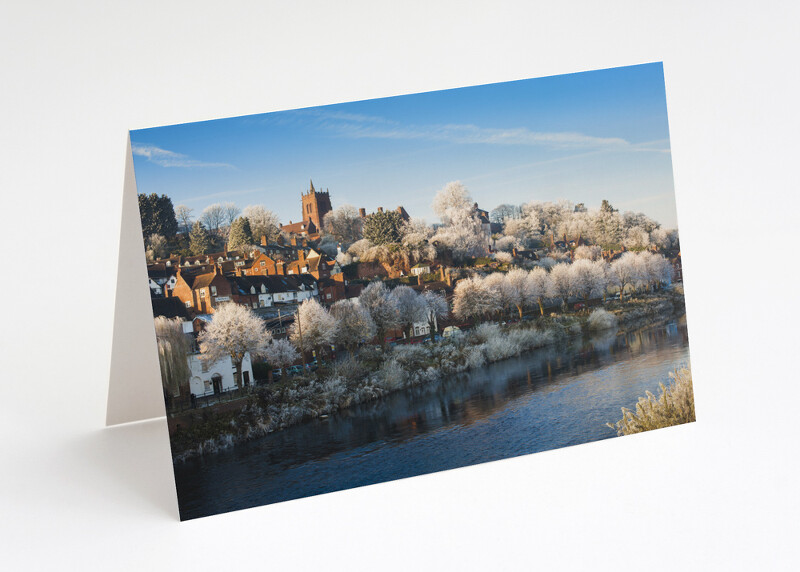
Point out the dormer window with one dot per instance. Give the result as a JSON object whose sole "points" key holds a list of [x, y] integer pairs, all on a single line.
{"points": [[252, 289], [263, 289]]}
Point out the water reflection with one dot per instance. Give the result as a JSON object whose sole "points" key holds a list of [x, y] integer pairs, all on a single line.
{"points": [[550, 398]]}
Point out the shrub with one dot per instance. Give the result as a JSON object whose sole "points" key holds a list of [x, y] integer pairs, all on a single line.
{"points": [[600, 319], [673, 406], [391, 376], [484, 333]]}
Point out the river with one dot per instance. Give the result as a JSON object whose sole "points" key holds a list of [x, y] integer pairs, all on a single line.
{"points": [[550, 398]]}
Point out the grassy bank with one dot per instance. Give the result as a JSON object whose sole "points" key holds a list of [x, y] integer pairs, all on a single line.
{"points": [[674, 405], [374, 374]]}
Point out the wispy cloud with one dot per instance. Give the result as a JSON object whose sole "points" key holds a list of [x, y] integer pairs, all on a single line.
{"points": [[370, 127], [455, 133], [166, 158]]}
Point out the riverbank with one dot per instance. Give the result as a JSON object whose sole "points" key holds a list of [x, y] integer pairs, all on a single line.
{"points": [[375, 374]]}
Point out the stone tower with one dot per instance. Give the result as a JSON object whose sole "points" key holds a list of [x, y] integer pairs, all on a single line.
{"points": [[315, 206]]}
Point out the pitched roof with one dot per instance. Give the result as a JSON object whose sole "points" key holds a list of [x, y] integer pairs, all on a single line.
{"points": [[169, 308]]}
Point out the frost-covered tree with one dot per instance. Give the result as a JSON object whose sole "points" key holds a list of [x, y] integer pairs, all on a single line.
{"points": [[624, 271], [313, 327], [173, 351], [183, 214], [415, 238], [652, 269], [505, 243], [504, 257], [538, 287], [199, 239], [360, 248], [281, 354], [561, 283], [382, 309], [518, 289], [588, 279], [472, 299], [587, 252], [435, 308], [452, 203], [234, 331], [263, 223], [354, 323], [240, 234], [636, 238], [344, 224], [464, 238], [462, 232], [156, 247], [409, 307], [497, 285]]}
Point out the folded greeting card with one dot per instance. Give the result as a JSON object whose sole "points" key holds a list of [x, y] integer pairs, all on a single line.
{"points": [[355, 293]]}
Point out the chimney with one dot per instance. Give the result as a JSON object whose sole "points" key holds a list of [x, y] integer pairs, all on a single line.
{"points": [[362, 212]]}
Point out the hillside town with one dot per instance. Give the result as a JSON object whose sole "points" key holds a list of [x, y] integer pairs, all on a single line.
{"points": [[335, 281]]}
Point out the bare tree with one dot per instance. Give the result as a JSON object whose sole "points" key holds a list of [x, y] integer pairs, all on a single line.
{"points": [[213, 217], [229, 213], [184, 216], [234, 332]]}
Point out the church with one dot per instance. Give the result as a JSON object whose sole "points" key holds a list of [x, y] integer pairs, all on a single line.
{"points": [[315, 205]]}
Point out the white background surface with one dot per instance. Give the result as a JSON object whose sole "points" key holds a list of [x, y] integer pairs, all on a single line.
{"points": [[720, 494]]}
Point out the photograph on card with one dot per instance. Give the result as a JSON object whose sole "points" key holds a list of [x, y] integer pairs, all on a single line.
{"points": [[362, 292]]}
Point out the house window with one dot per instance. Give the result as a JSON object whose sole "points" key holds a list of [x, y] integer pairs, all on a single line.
{"points": [[255, 304], [203, 293], [188, 304], [213, 290], [263, 263], [204, 366], [328, 296]]}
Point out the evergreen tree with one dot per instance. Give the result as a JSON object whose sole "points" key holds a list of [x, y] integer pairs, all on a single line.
{"points": [[240, 234], [199, 239], [158, 215], [383, 227]]}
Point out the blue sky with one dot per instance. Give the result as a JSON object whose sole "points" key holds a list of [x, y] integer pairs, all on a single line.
{"points": [[583, 137]]}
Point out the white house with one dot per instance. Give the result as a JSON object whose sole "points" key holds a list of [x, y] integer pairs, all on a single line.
{"points": [[211, 378]]}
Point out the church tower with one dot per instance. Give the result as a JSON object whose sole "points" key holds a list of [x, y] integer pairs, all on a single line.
{"points": [[315, 206]]}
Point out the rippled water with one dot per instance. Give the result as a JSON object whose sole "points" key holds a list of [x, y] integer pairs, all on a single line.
{"points": [[543, 400]]}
